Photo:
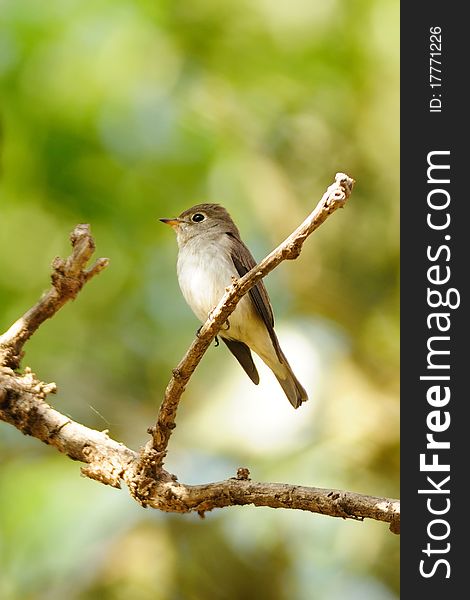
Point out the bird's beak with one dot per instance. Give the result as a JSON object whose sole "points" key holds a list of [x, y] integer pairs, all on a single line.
{"points": [[172, 222]]}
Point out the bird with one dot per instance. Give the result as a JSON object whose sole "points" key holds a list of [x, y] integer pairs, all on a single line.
{"points": [[210, 254]]}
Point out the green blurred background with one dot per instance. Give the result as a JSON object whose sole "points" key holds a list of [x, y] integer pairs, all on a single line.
{"points": [[115, 113]]}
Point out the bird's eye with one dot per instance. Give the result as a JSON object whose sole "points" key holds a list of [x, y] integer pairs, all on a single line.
{"points": [[198, 217]]}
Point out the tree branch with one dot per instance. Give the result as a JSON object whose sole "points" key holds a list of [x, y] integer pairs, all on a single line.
{"points": [[23, 402], [334, 198], [68, 277]]}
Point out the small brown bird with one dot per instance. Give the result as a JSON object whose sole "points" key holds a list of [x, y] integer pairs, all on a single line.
{"points": [[211, 252]]}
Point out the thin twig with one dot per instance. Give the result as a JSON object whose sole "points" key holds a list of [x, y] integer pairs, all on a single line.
{"points": [[334, 198], [68, 277]]}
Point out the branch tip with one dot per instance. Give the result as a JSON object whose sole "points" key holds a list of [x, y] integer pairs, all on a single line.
{"points": [[68, 277], [243, 474]]}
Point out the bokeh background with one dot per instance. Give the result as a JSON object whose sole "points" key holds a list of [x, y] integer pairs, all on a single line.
{"points": [[116, 113]]}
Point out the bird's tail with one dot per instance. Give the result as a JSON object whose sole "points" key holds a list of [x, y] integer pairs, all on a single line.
{"points": [[292, 387]]}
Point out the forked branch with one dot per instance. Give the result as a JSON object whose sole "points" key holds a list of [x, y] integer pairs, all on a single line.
{"points": [[23, 401]]}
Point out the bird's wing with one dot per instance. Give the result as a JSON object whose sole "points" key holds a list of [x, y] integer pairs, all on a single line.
{"points": [[243, 354], [244, 262]]}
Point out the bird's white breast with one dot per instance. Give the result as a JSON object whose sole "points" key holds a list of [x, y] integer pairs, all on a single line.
{"points": [[203, 276]]}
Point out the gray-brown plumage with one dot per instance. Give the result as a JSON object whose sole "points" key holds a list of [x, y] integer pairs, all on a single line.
{"points": [[211, 252]]}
